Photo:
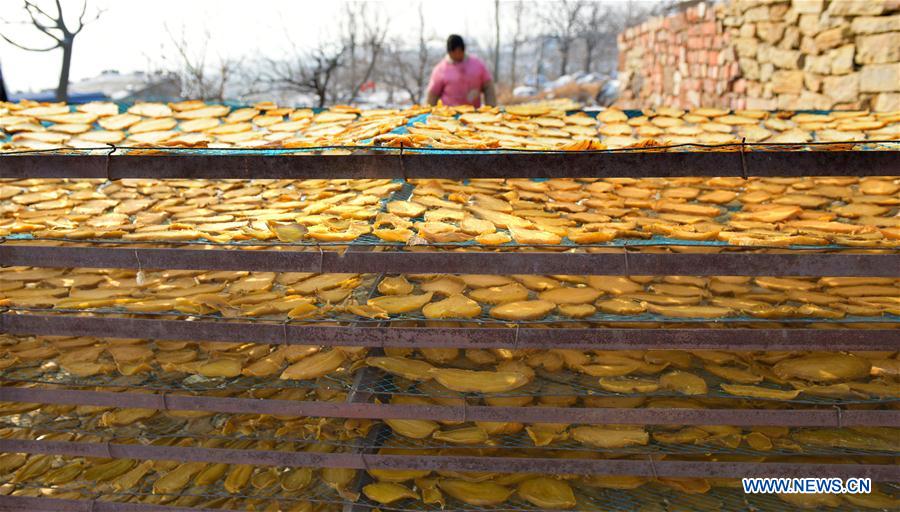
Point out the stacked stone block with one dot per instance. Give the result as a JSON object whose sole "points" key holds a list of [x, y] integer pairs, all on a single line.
{"points": [[770, 54]]}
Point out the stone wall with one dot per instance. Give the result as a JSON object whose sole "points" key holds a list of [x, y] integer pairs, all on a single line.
{"points": [[766, 54]]}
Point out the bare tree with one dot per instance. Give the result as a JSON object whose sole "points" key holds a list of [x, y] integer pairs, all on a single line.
{"points": [[199, 78], [592, 33], [407, 70], [54, 26], [305, 72], [351, 31], [561, 22], [541, 43], [337, 67], [366, 29], [517, 41], [598, 29]]}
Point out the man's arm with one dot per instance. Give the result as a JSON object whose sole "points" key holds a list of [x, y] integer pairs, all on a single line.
{"points": [[435, 85], [490, 94]]}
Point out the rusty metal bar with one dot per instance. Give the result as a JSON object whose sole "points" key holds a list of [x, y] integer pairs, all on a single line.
{"points": [[456, 165], [828, 417], [359, 393], [21, 503], [619, 263], [648, 468], [545, 262], [725, 337]]}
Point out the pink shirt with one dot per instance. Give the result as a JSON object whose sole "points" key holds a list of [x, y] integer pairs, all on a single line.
{"points": [[459, 83]]}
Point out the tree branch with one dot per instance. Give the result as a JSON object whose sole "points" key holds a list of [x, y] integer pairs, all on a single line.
{"points": [[60, 19], [81, 16], [31, 5], [82, 22], [33, 14], [26, 48]]}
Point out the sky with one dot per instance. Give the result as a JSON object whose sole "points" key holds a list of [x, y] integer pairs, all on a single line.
{"points": [[131, 34]]}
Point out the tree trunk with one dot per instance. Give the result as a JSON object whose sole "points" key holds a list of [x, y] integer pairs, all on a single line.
{"points": [[563, 58], [539, 65], [62, 89], [516, 41], [496, 40], [512, 63], [422, 69], [588, 56], [3, 96], [373, 59], [421, 80]]}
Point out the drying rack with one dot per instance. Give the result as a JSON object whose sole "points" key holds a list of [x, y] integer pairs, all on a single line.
{"points": [[741, 160]]}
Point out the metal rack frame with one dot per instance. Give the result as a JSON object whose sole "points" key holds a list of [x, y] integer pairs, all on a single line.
{"points": [[741, 161], [373, 334], [19, 503], [623, 261], [647, 466], [599, 500], [354, 408]]}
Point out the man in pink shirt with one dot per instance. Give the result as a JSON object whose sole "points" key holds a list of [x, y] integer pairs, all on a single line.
{"points": [[460, 79]]}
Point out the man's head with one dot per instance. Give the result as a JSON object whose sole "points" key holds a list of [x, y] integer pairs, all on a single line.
{"points": [[456, 48]]}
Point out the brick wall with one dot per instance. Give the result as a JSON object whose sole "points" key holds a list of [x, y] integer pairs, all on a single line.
{"points": [[766, 54], [680, 60]]}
